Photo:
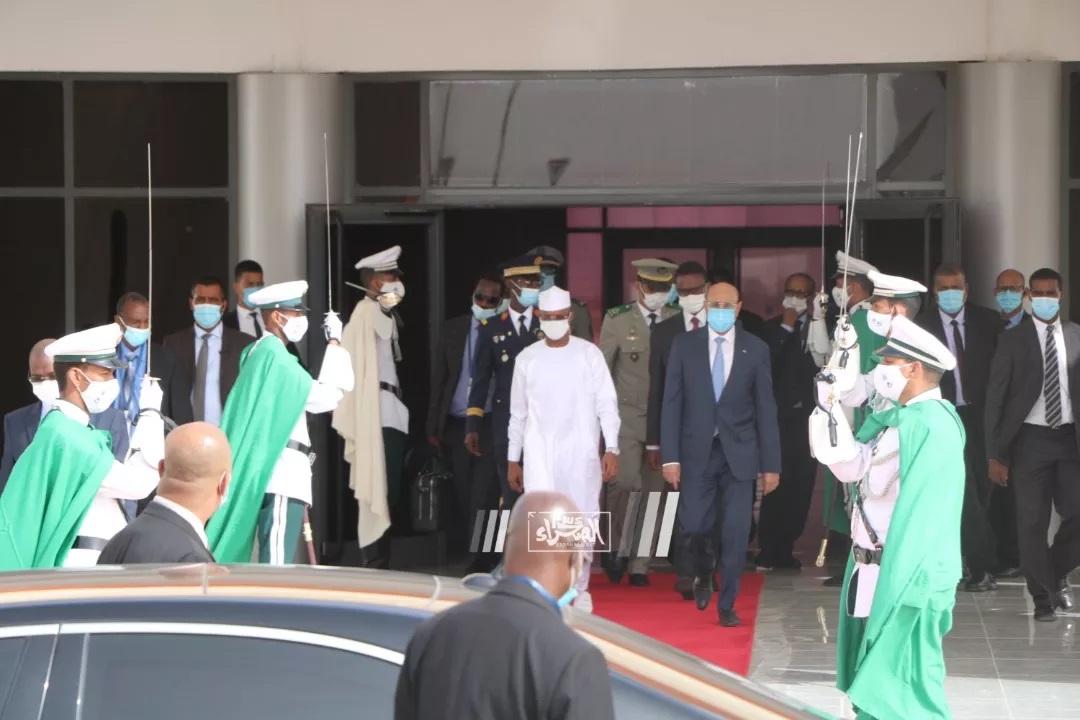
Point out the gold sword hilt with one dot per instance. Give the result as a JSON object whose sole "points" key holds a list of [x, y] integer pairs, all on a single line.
{"points": [[820, 562]]}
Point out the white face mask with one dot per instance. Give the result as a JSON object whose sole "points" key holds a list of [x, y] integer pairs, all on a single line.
{"points": [[889, 380], [692, 304], [295, 328], [99, 394], [840, 297], [879, 322], [795, 303], [654, 301], [555, 329], [391, 294], [47, 391]]}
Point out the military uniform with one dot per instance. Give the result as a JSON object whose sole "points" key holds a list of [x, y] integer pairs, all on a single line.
{"points": [[551, 261], [624, 341]]}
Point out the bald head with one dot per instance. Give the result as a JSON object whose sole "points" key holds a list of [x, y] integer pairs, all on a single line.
{"points": [[195, 470], [40, 363], [723, 292], [1010, 279], [553, 570]]}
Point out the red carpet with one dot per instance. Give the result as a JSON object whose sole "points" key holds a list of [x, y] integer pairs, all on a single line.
{"points": [[661, 613]]}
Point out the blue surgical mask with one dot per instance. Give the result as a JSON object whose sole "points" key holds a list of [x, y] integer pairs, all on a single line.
{"points": [[1045, 308], [483, 313], [503, 306], [721, 319], [247, 295], [1009, 300], [207, 316], [136, 337], [672, 296], [951, 301], [528, 297], [567, 597], [547, 281]]}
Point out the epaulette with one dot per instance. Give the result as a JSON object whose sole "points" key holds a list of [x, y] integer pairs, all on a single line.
{"points": [[505, 315], [484, 321], [617, 311]]}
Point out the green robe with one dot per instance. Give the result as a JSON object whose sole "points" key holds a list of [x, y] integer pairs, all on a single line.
{"points": [[891, 664], [49, 492], [259, 416], [869, 343]]}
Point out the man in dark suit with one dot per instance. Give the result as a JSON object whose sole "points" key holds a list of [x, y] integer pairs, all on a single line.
{"points": [[133, 315], [209, 351], [247, 278], [498, 343], [783, 513], [172, 529], [691, 284], [971, 334], [719, 442], [21, 425], [1032, 440], [467, 662], [476, 484]]}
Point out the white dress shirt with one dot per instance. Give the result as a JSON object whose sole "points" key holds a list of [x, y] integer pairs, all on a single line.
{"points": [[514, 315], [247, 319], [728, 347], [185, 515], [1037, 416], [212, 401], [946, 322]]}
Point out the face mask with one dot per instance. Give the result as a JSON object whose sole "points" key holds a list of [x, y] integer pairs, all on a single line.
{"points": [[547, 281], [483, 313], [207, 316], [879, 322], [1046, 309], [1009, 300], [951, 301], [672, 297], [889, 380], [100, 394], [247, 295], [503, 306], [47, 391], [391, 294], [795, 303], [692, 303], [721, 319], [654, 301], [295, 328], [555, 329], [528, 297], [136, 337], [840, 297]]}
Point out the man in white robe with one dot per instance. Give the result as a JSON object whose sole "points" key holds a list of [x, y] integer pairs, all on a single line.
{"points": [[561, 398]]}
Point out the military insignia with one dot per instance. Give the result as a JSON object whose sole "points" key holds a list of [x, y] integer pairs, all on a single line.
{"points": [[483, 322], [634, 356], [633, 335], [505, 357], [617, 311], [540, 334], [505, 315], [497, 338]]}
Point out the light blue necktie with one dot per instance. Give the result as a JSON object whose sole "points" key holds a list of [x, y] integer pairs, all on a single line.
{"points": [[718, 370]]}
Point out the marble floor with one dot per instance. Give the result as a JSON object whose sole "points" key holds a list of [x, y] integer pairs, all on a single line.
{"points": [[1001, 664]]}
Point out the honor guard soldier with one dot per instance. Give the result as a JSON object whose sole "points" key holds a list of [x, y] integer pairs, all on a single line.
{"points": [[265, 419], [498, 343], [906, 470], [624, 341], [63, 501], [581, 325]]}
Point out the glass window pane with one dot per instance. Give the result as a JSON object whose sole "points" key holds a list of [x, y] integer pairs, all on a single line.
{"points": [[911, 126], [185, 677], [32, 235], [387, 131], [1074, 256], [658, 132], [1074, 125], [191, 238], [187, 123], [31, 134]]}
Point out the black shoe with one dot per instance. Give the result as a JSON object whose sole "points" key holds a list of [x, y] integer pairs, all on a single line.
{"points": [[1064, 595], [615, 570], [986, 584], [728, 618], [639, 580], [703, 591], [685, 587], [1045, 614], [834, 581]]}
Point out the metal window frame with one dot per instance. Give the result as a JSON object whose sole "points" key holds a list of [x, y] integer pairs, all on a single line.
{"points": [[1068, 183], [69, 192]]}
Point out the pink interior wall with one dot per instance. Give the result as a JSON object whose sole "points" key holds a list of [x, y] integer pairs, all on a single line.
{"points": [[764, 270], [584, 263]]}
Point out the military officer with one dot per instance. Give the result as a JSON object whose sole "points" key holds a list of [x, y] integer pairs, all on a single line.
{"points": [[624, 341], [581, 323], [498, 343]]}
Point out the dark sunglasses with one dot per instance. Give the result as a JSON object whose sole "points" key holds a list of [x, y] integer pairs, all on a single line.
{"points": [[42, 378], [493, 299]]}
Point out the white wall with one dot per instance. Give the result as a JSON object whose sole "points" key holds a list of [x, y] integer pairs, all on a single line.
{"points": [[233, 36]]}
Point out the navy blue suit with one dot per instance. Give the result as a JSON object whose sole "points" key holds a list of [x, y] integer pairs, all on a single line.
{"points": [[497, 347], [722, 446], [21, 425]]}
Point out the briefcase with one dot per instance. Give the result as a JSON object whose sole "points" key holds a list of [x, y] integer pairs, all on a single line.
{"points": [[428, 495]]}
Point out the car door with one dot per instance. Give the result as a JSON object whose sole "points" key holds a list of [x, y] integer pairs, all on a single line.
{"points": [[25, 654]]}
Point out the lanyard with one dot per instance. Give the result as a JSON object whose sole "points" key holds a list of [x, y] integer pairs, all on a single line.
{"points": [[538, 588]]}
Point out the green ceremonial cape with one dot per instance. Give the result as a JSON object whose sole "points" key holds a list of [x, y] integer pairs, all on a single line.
{"points": [[260, 413], [49, 492], [891, 664], [869, 343]]}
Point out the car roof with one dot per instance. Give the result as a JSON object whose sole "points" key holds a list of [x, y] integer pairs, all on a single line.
{"points": [[631, 654]]}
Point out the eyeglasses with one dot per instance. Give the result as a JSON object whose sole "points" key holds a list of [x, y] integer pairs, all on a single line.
{"points": [[493, 299], [1010, 288], [797, 294], [42, 378]]}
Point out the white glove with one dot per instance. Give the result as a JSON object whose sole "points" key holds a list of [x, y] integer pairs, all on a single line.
{"points": [[332, 326], [821, 306], [845, 335], [150, 394], [149, 438], [821, 439]]}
